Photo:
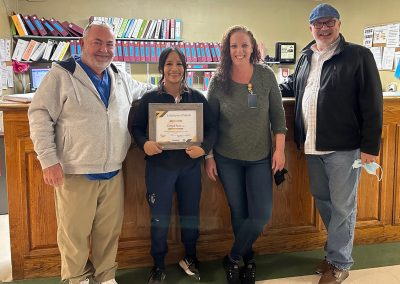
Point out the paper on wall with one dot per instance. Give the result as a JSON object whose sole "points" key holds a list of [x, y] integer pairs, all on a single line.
{"points": [[368, 37], [2, 50], [10, 77], [8, 49], [4, 76], [388, 58], [393, 35], [380, 34], [377, 53]]}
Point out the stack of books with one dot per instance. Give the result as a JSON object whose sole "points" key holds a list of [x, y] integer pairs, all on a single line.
{"points": [[26, 25], [142, 28], [32, 50], [199, 81], [22, 98], [149, 51]]}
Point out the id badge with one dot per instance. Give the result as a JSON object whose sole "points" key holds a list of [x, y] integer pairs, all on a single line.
{"points": [[252, 100]]}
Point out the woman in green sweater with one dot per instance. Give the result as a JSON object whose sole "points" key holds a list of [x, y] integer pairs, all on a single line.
{"points": [[245, 97]]}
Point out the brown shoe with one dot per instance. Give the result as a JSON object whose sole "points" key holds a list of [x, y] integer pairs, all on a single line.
{"points": [[322, 267], [333, 276]]}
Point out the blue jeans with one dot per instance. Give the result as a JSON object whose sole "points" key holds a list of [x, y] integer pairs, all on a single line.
{"points": [[161, 184], [333, 184], [248, 187]]}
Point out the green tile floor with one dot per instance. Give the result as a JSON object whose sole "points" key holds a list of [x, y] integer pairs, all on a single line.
{"points": [[268, 266]]}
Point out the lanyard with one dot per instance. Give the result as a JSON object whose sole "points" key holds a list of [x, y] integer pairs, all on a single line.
{"points": [[250, 88], [251, 97]]}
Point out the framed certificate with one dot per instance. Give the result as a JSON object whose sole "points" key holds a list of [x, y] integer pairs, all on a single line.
{"points": [[176, 126]]}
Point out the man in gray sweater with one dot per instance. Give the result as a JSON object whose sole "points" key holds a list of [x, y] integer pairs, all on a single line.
{"points": [[78, 123]]}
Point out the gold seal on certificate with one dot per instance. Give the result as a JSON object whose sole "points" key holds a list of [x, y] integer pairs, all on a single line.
{"points": [[176, 126]]}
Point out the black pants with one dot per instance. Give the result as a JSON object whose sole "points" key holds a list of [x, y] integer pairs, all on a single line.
{"points": [[161, 184]]}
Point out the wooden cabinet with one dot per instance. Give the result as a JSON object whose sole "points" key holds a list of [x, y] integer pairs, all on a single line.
{"points": [[295, 223]]}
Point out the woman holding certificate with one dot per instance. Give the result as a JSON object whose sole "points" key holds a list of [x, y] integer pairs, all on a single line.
{"points": [[175, 169], [245, 97]]}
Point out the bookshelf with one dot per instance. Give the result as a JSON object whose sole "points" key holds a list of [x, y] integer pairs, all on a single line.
{"points": [[148, 42], [201, 69], [197, 78], [76, 38], [41, 38], [199, 72]]}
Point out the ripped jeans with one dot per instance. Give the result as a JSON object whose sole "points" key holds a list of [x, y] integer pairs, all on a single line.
{"points": [[161, 184]]}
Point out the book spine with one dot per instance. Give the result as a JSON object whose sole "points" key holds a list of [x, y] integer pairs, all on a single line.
{"points": [[30, 25], [29, 50], [178, 29], [64, 50], [172, 29], [22, 24], [18, 25], [39, 25]]}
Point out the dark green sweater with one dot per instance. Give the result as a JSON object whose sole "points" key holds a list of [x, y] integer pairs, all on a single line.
{"points": [[245, 133]]}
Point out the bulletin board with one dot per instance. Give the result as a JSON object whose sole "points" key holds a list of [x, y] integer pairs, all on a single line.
{"points": [[384, 43]]}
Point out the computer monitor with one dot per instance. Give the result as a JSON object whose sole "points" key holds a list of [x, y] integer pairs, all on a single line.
{"points": [[36, 75], [285, 52]]}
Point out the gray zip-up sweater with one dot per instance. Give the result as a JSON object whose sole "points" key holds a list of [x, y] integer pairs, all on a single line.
{"points": [[70, 124]]}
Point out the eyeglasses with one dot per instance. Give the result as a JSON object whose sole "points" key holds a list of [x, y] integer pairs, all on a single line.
{"points": [[328, 24]]}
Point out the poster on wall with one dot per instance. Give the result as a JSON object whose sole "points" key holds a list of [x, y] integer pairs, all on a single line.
{"points": [[368, 37], [380, 35], [388, 58], [393, 35], [384, 43], [377, 53]]}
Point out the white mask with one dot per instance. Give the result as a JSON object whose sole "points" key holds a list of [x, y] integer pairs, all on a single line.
{"points": [[369, 167]]}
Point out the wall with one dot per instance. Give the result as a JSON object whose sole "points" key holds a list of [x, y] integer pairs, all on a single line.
{"points": [[357, 14], [206, 20], [5, 6]]}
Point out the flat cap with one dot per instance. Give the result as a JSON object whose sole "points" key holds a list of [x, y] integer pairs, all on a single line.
{"points": [[323, 11]]}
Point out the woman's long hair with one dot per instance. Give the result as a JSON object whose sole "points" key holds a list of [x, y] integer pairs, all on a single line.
{"points": [[161, 63], [223, 74]]}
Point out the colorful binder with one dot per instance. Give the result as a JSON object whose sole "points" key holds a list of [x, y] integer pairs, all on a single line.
{"points": [[30, 25], [49, 27], [19, 25], [56, 24], [38, 24]]}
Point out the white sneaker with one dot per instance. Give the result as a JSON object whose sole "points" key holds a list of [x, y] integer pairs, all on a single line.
{"points": [[112, 281]]}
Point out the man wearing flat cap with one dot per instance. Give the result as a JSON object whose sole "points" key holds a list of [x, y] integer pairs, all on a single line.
{"points": [[338, 119]]}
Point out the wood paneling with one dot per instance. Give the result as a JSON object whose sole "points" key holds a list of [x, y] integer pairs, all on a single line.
{"points": [[295, 223], [396, 178]]}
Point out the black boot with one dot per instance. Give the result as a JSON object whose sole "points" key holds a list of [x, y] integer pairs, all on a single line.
{"points": [[232, 271], [157, 275], [248, 274]]}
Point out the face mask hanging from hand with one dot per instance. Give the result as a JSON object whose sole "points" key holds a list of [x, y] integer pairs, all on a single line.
{"points": [[369, 167]]}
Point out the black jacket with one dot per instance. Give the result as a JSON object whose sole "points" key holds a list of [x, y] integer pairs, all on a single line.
{"points": [[350, 102], [138, 126]]}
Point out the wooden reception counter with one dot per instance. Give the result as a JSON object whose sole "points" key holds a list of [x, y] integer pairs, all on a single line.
{"points": [[295, 223]]}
